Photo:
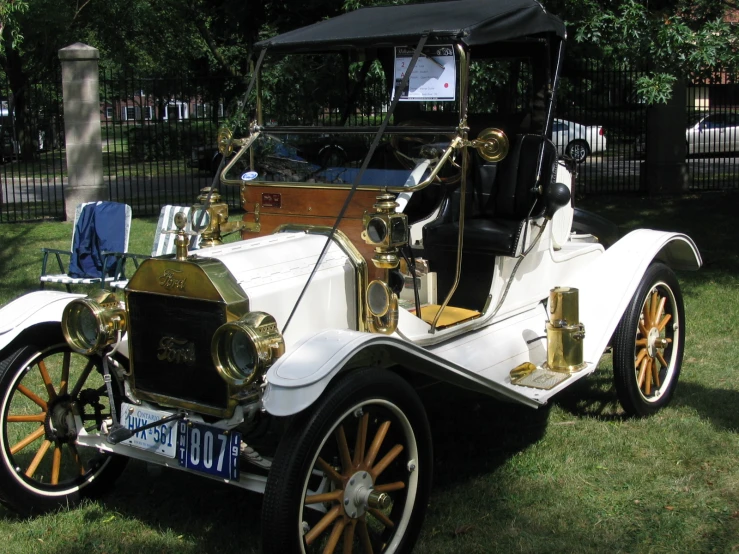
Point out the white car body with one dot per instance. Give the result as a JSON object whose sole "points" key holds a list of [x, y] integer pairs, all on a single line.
{"points": [[570, 137], [715, 132]]}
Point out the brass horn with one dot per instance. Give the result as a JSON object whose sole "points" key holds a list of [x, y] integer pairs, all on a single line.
{"points": [[492, 144], [225, 142]]}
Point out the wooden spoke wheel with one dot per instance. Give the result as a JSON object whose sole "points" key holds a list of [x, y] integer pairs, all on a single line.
{"points": [[353, 474], [44, 392], [648, 343]]}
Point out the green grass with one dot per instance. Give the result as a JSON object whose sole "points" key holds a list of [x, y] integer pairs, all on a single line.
{"points": [[577, 476]]}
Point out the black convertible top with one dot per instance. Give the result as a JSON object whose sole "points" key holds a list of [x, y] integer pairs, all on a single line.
{"points": [[471, 22]]}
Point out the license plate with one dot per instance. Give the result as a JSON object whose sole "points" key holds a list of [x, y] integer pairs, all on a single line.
{"points": [[209, 450], [161, 439]]}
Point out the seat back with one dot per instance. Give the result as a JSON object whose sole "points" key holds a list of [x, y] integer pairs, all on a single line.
{"points": [[517, 193], [164, 240], [99, 227]]}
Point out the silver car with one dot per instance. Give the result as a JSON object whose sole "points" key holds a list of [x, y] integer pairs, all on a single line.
{"points": [[577, 141], [715, 132]]}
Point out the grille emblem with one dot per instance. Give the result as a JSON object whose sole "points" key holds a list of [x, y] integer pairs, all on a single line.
{"points": [[176, 351], [169, 279]]}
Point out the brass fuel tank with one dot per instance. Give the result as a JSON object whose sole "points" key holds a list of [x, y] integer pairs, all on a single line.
{"points": [[565, 333]]}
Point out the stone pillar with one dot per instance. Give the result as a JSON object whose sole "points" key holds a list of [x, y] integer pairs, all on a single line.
{"points": [[82, 126], [664, 170]]}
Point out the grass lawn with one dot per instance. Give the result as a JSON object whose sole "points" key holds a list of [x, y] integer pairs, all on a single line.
{"points": [[577, 476]]}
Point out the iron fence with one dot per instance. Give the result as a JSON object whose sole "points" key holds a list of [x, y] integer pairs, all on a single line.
{"points": [[32, 161], [159, 137]]}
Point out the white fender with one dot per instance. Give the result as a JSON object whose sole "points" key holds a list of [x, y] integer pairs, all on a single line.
{"points": [[31, 309], [299, 377], [607, 285]]}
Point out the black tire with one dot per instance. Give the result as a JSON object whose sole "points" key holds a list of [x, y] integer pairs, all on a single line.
{"points": [[577, 150], [648, 343], [364, 399], [36, 427]]}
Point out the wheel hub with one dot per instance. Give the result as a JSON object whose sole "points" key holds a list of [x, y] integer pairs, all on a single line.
{"points": [[59, 424], [356, 494], [653, 342]]}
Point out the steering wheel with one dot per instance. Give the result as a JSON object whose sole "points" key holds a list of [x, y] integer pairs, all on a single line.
{"points": [[411, 150]]}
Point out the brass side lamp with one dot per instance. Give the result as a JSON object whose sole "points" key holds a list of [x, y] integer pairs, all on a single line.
{"points": [[212, 220]]}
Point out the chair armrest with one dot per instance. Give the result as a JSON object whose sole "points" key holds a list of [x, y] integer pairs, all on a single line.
{"points": [[58, 254], [55, 251]]}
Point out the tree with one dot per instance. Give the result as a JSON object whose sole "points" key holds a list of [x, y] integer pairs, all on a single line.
{"points": [[679, 39]]}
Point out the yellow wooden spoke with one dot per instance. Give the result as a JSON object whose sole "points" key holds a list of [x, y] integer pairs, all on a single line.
{"points": [[65, 374], [653, 308], [47, 379], [361, 443], [381, 517], [27, 418], [642, 371], [322, 525], [56, 464], [349, 537], [376, 444], [82, 378], [28, 440], [664, 322], [645, 313], [648, 377], [324, 497], [640, 357], [76, 458], [643, 329], [329, 471], [364, 537], [37, 458], [655, 374], [333, 539], [390, 487], [662, 360], [641, 342], [346, 459], [380, 466], [659, 311], [41, 403]]}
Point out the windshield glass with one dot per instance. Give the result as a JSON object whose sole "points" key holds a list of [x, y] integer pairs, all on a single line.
{"points": [[321, 113]]}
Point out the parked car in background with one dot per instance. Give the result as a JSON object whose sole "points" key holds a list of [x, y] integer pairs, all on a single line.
{"points": [[205, 158], [714, 132], [9, 147], [577, 141]]}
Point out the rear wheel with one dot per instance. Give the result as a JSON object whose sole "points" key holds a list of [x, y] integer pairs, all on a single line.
{"points": [[352, 474], [44, 388], [648, 343], [577, 150]]}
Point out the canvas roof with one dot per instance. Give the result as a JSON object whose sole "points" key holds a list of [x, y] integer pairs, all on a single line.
{"points": [[472, 22]]}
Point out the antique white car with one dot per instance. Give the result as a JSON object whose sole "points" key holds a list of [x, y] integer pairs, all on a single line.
{"points": [[289, 363]]}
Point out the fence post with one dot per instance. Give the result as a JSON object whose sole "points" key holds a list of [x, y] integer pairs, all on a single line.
{"points": [[81, 93], [664, 170]]}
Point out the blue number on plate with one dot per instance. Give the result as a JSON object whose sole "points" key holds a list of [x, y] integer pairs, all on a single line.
{"points": [[209, 450]]}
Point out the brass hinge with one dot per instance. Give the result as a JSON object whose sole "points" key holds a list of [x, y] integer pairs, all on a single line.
{"points": [[256, 226]]}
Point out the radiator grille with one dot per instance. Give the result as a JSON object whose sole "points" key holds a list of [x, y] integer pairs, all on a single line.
{"points": [[186, 326]]}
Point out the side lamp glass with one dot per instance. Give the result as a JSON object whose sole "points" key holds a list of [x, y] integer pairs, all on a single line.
{"points": [[89, 324]]}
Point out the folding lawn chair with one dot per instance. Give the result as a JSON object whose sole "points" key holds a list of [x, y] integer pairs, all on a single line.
{"points": [[99, 242], [163, 238]]}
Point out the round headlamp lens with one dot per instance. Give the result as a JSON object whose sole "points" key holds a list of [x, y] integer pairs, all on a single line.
{"points": [[378, 298], [241, 353], [81, 327]]}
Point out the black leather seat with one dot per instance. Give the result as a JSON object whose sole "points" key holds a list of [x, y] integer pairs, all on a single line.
{"points": [[494, 229]]}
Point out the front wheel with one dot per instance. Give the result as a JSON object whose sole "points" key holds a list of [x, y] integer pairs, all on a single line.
{"points": [[352, 473], [648, 343], [44, 389]]}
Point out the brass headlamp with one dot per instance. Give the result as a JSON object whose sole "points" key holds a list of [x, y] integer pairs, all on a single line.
{"points": [[213, 220], [245, 348], [91, 323], [386, 230]]}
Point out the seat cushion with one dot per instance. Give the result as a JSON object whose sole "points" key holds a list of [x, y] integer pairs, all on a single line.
{"points": [[498, 237]]}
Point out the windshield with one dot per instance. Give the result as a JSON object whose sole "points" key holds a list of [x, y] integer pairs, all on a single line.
{"points": [[320, 114]]}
